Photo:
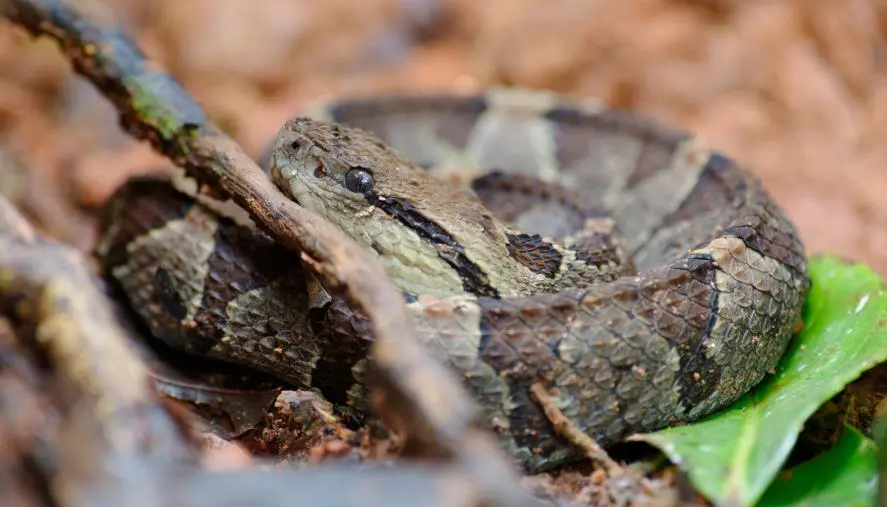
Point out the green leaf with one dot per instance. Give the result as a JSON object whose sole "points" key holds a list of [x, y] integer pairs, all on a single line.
{"points": [[732, 456], [846, 475]]}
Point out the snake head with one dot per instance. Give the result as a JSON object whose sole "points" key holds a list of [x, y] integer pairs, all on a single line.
{"points": [[320, 165], [434, 236]]}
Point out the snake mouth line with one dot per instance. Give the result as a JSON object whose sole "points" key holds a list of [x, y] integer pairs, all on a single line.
{"points": [[287, 177]]}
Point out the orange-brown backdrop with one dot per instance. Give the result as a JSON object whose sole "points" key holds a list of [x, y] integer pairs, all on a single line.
{"points": [[795, 89]]}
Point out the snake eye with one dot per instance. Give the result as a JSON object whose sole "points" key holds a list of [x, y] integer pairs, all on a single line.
{"points": [[359, 180], [295, 145]]}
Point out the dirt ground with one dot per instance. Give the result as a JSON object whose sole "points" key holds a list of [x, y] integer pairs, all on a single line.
{"points": [[795, 89]]}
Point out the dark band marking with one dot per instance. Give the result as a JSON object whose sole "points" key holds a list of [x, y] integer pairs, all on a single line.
{"points": [[165, 289], [535, 253], [141, 204], [575, 127], [530, 428], [770, 241], [696, 304], [711, 192], [596, 249], [452, 118], [474, 280], [242, 260], [716, 188], [510, 195], [500, 349], [342, 335], [654, 157], [719, 187]]}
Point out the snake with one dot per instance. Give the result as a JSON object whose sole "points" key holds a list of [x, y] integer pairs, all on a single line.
{"points": [[643, 278]]}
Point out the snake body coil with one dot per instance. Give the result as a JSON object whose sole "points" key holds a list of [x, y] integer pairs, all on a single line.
{"points": [[676, 287]]}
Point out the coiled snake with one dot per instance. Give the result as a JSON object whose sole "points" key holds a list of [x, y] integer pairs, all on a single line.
{"points": [[644, 279]]}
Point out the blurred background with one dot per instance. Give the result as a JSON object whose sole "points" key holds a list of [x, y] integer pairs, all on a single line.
{"points": [[794, 89]]}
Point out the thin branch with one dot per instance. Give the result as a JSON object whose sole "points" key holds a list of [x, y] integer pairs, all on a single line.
{"points": [[100, 387]]}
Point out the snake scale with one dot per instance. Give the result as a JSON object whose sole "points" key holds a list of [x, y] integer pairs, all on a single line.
{"points": [[643, 278]]}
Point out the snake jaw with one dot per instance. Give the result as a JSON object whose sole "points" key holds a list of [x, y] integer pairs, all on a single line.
{"points": [[287, 176], [300, 170]]}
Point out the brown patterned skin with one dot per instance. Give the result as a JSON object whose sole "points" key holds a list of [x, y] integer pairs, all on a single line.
{"points": [[694, 277]]}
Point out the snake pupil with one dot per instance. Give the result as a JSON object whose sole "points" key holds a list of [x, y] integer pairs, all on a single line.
{"points": [[359, 180]]}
